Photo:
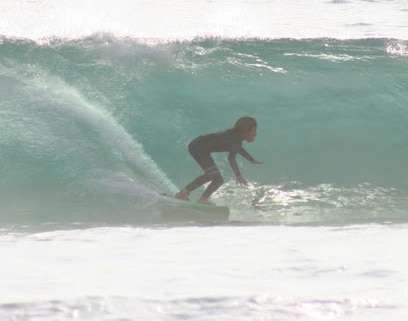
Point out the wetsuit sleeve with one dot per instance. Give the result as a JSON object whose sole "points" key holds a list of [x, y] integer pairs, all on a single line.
{"points": [[233, 162], [245, 154]]}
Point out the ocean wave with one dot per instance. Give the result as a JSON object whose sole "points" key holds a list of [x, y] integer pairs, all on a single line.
{"points": [[110, 117]]}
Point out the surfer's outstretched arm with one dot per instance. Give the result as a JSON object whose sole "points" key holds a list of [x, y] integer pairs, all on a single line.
{"points": [[233, 162]]}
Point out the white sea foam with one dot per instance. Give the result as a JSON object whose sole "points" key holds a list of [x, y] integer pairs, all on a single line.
{"points": [[178, 19], [203, 273]]}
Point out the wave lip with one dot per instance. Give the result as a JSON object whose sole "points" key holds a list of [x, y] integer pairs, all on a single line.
{"points": [[187, 20]]}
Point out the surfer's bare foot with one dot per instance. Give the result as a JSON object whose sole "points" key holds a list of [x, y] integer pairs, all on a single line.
{"points": [[205, 201], [183, 195]]}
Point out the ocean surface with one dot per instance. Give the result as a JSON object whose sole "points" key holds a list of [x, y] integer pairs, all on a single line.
{"points": [[98, 102]]}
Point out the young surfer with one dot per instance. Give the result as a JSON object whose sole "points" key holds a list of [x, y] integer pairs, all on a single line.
{"points": [[229, 141]]}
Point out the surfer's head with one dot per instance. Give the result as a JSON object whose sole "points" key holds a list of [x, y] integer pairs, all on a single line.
{"points": [[246, 128]]}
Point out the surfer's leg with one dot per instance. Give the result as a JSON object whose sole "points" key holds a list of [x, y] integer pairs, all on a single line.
{"points": [[216, 182], [185, 192], [207, 164], [200, 180]]}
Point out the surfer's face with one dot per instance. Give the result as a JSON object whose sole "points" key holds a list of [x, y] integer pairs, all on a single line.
{"points": [[250, 136]]}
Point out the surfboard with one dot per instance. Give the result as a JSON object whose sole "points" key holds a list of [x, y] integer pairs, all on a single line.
{"points": [[178, 210]]}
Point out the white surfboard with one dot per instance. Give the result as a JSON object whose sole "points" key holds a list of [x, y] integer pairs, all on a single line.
{"points": [[178, 210]]}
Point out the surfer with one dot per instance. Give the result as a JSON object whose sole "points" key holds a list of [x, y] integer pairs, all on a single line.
{"points": [[229, 141]]}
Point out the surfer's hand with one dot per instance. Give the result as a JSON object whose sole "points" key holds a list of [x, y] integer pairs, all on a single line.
{"points": [[242, 181], [256, 162]]}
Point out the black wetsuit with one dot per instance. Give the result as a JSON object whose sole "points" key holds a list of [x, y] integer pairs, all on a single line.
{"points": [[202, 147]]}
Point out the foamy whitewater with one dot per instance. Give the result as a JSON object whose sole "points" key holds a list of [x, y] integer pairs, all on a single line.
{"points": [[98, 102]]}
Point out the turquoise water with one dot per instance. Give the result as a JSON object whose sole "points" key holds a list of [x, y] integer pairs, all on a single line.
{"points": [[101, 122], [97, 107]]}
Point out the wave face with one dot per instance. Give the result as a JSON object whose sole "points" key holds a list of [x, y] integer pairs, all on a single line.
{"points": [[99, 124]]}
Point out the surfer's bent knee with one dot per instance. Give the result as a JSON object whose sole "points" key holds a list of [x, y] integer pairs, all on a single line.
{"points": [[216, 178]]}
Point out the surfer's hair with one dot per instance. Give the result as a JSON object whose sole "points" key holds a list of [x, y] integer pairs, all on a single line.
{"points": [[244, 125]]}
